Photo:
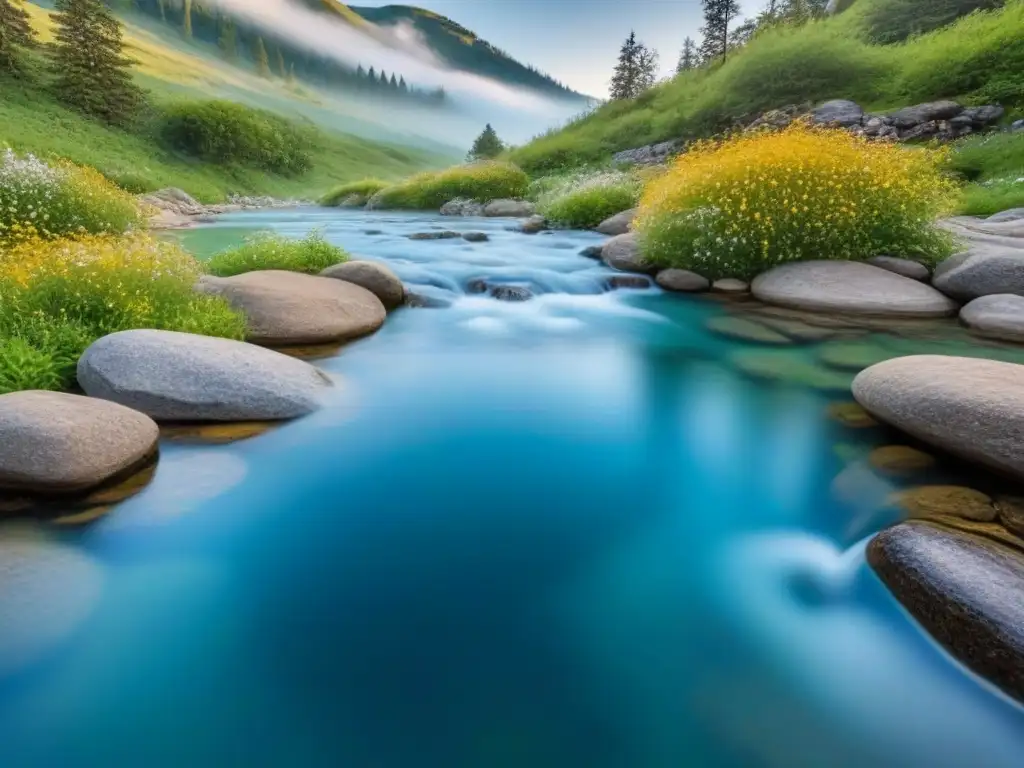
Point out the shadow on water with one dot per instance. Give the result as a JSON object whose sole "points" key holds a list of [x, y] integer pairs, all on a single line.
{"points": [[563, 532]]}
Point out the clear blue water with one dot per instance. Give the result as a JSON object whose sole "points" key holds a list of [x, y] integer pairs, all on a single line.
{"points": [[566, 532]]}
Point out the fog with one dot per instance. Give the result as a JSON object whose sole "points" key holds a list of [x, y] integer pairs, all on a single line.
{"points": [[517, 114]]}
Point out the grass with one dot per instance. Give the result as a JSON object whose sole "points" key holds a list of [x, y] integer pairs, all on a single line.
{"points": [[482, 181], [994, 166], [270, 251], [361, 190], [584, 200], [58, 296], [976, 59]]}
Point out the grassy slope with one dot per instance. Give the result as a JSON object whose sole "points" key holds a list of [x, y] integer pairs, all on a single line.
{"points": [[31, 121], [977, 59]]}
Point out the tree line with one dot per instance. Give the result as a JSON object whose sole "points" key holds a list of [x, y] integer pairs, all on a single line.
{"points": [[637, 67]]}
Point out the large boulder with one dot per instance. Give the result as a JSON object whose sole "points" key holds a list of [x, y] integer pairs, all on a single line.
{"points": [[284, 308], [513, 209], [375, 277], [52, 442], [915, 270], [1014, 214], [908, 117], [998, 316], [682, 280], [970, 407], [841, 112], [849, 287], [623, 252], [619, 224], [184, 377], [964, 589], [981, 271]]}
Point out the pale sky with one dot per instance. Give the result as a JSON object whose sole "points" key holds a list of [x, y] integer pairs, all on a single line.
{"points": [[576, 41]]}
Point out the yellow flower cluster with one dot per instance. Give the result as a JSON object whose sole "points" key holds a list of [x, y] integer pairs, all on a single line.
{"points": [[740, 206]]}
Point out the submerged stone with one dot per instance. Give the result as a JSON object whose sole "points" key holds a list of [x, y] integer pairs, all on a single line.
{"points": [[945, 500], [851, 415], [745, 330], [792, 369], [900, 460], [446, 235]]}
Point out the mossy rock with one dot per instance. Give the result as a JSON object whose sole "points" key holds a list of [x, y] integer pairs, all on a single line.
{"points": [[794, 369], [851, 415], [123, 490], [743, 329], [900, 460], [216, 434], [928, 501], [1011, 513]]}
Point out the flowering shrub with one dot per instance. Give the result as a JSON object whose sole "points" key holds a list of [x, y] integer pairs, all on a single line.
{"points": [[37, 199], [478, 181], [58, 296], [269, 251], [585, 200], [738, 207]]}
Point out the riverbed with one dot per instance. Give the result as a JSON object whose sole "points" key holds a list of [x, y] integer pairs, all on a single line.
{"points": [[580, 530]]}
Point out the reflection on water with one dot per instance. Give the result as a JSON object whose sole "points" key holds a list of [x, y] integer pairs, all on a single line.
{"points": [[564, 532]]}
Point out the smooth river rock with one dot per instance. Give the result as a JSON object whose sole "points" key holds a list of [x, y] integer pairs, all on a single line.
{"points": [[58, 443], [287, 308], [513, 209], [964, 589], [998, 316], [619, 224], [849, 287], [971, 407], [533, 225], [174, 376], [982, 271], [915, 270], [623, 252], [730, 285], [682, 281], [375, 277]]}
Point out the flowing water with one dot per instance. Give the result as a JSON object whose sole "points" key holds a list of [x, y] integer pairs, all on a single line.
{"points": [[572, 531]]}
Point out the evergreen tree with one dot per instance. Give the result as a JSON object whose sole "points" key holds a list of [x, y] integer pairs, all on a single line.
{"points": [[282, 69], [486, 146], [688, 57], [187, 20], [372, 76], [383, 78], [228, 41], [742, 34], [718, 14], [262, 61], [624, 78], [15, 33], [291, 73], [646, 68], [393, 84], [403, 86], [91, 71]]}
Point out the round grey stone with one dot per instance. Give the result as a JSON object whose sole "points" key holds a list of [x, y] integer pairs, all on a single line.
{"points": [[623, 253], [730, 285], [619, 224], [513, 209], [375, 277], [849, 287], [682, 280], [184, 377], [59, 443], [981, 271], [970, 407], [915, 270], [998, 316]]}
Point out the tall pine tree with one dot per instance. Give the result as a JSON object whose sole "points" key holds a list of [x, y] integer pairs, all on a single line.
{"points": [[646, 68], [624, 78], [262, 60], [15, 34], [228, 40], [282, 68], [403, 86], [486, 146], [186, 24], [688, 56], [90, 69], [718, 15]]}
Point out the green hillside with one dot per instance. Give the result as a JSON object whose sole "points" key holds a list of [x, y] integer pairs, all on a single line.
{"points": [[978, 59], [462, 49]]}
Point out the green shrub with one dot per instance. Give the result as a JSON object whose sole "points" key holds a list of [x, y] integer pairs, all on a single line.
{"points": [[739, 207], [266, 250], [226, 133], [364, 189], [584, 201], [58, 296], [477, 181], [37, 199], [893, 21]]}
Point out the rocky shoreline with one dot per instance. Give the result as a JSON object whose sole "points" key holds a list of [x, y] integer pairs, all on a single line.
{"points": [[173, 208]]}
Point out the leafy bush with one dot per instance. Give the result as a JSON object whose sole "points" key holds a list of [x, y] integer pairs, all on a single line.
{"points": [[58, 296], [583, 201], [269, 251], [739, 207], [893, 21], [365, 189], [226, 133], [43, 200], [477, 181]]}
